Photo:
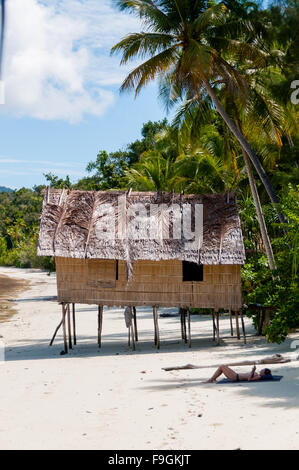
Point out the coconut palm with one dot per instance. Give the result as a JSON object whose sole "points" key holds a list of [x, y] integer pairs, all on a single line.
{"points": [[262, 120], [193, 167], [154, 172], [189, 42]]}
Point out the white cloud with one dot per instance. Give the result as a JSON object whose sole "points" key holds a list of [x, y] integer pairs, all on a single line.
{"points": [[57, 63], [61, 169], [39, 162], [56, 171]]}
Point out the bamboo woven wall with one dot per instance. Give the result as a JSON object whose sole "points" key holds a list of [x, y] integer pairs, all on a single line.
{"points": [[153, 283]]}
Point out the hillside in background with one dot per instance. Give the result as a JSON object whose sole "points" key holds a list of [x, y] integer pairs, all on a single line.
{"points": [[4, 189]]}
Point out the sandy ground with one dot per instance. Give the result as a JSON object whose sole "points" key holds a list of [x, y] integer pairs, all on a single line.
{"points": [[9, 289], [116, 399]]}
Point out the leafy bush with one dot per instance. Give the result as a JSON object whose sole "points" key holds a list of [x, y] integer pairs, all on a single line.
{"points": [[279, 289], [19, 226]]}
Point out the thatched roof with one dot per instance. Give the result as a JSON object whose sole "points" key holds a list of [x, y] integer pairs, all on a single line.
{"points": [[72, 226]]}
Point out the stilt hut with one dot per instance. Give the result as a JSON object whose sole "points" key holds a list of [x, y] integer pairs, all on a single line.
{"points": [[144, 248]]}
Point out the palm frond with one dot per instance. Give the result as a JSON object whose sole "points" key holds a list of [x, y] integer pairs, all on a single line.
{"points": [[244, 52], [149, 70], [169, 92], [139, 45], [149, 12], [213, 16]]}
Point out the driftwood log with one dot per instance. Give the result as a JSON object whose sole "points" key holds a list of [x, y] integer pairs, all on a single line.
{"points": [[276, 359]]}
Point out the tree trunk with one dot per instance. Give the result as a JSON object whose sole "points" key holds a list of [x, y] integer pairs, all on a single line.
{"points": [[258, 207], [247, 149], [259, 213]]}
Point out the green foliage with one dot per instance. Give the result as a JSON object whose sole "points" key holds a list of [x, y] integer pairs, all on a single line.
{"points": [[280, 290], [19, 225], [108, 170], [56, 182]]}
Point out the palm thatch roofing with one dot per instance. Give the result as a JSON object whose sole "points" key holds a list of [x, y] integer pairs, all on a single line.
{"points": [[73, 223]]}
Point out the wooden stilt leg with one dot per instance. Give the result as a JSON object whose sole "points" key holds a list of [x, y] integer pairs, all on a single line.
{"points": [[64, 330], [100, 324], [157, 336], [135, 323], [237, 324], [55, 333], [214, 326], [182, 323], [155, 325], [231, 323], [133, 336], [189, 328], [74, 324], [243, 325], [218, 334], [69, 326]]}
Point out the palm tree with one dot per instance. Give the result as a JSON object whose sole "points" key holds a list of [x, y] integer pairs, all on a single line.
{"points": [[188, 41], [175, 163], [154, 172], [263, 121]]}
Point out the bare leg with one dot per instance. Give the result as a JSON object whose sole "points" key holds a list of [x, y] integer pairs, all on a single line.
{"points": [[229, 373]]}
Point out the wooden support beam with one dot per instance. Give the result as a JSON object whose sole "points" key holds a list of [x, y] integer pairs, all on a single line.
{"points": [[135, 323], [237, 324], [218, 334], [69, 326], [55, 333], [243, 325], [155, 327], [64, 330], [182, 323], [231, 323], [74, 324], [100, 324], [214, 325], [133, 335], [156, 324], [189, 328]]}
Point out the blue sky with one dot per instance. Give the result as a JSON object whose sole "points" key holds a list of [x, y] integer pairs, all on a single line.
{"points": [[31, 147], [62, 101]]}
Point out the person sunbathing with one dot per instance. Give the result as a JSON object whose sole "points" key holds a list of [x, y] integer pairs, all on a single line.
{"points": [[276, 359], [264, 374]]}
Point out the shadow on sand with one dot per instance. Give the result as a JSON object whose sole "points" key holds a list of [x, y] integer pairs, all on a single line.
{"points": [[283, 394], [117, 343]]}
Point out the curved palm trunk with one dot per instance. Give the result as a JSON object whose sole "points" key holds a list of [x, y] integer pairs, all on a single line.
{"points": [[247, 149], [258, 207], [259, 213]]}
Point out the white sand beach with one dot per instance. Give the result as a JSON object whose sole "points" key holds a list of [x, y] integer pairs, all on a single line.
{"points": [[114, 398]]}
